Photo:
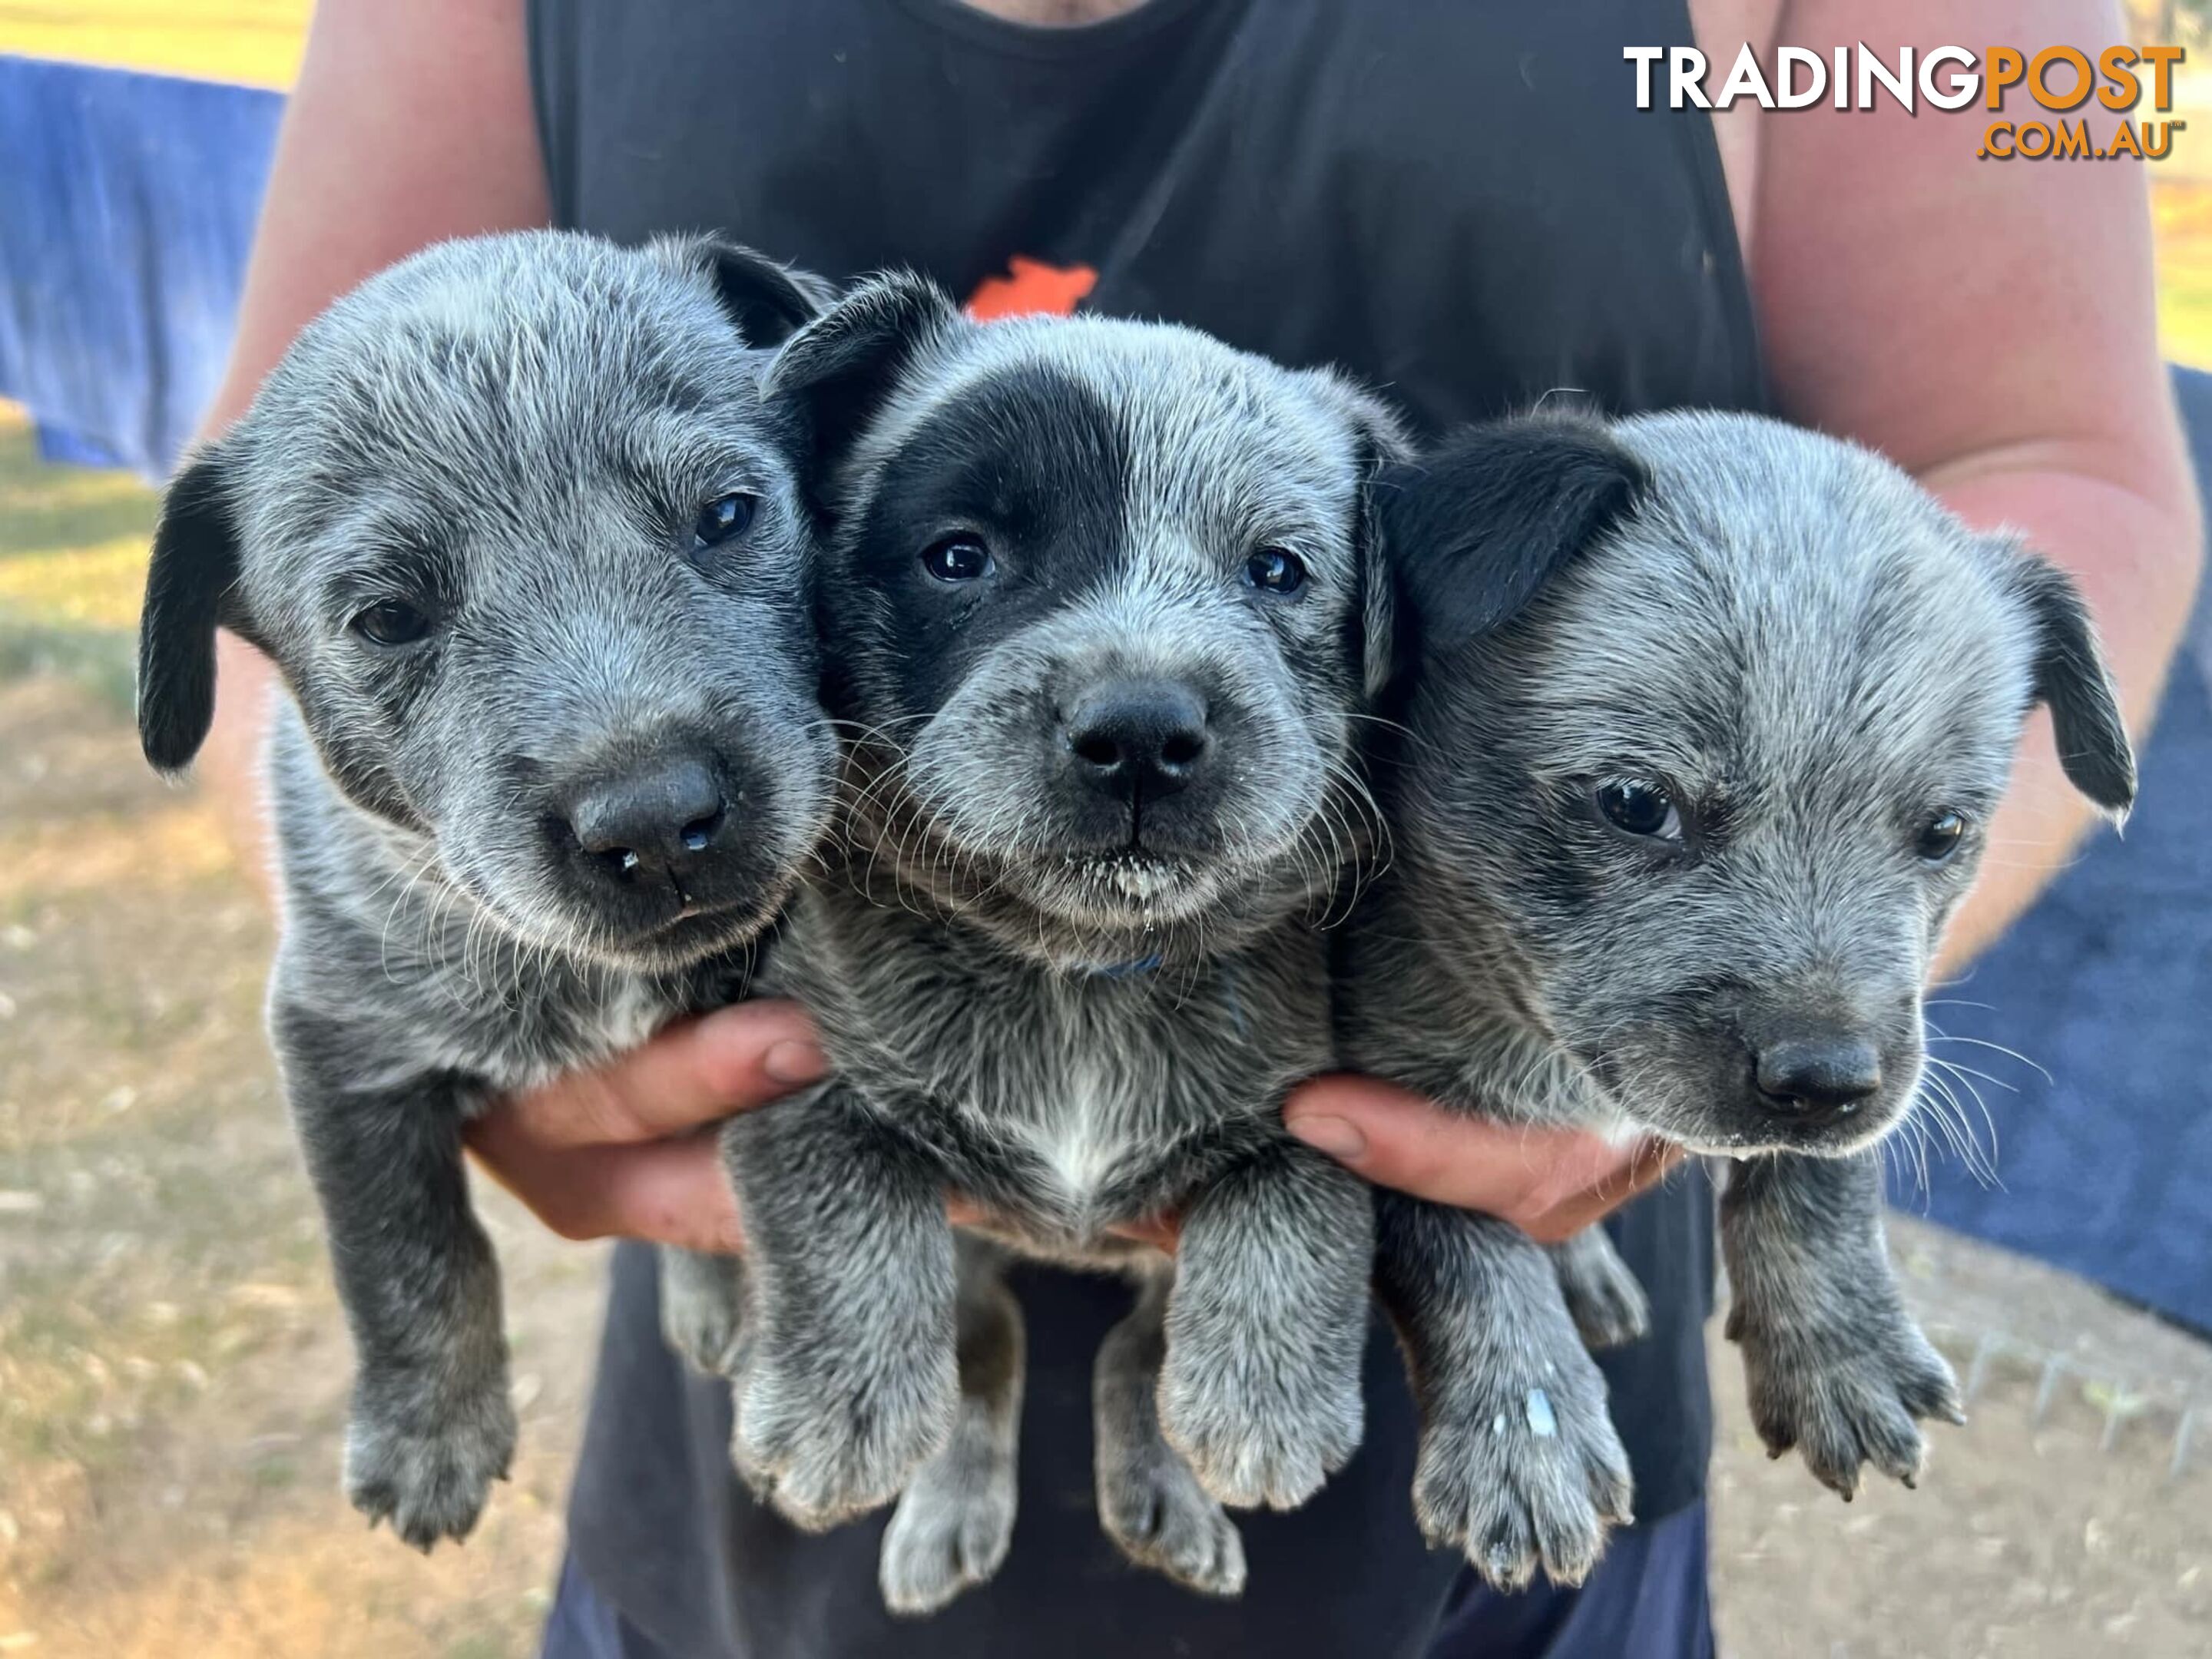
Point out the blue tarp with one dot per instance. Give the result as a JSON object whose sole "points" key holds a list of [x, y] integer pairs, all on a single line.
{"points": [[127, 208], [127, 202]]}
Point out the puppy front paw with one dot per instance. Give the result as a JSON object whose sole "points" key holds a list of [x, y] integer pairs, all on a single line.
{"points": [[425, 1460], [1258, 1434], [1845, 1395], [836, 1438], [1524, 1471]]}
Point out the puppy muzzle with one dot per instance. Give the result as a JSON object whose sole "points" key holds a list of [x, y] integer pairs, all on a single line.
{"points": [[669, 854]]}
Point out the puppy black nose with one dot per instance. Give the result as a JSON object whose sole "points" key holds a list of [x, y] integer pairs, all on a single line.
{"points": [[1136, 737], [1815, 1074], [657, 819]]}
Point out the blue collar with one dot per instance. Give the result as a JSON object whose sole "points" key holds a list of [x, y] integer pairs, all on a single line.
{"points": [[1135, 970], [1231, 982]]}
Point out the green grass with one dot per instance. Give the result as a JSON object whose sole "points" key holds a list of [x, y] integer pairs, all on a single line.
{"points": [[72, 544]]}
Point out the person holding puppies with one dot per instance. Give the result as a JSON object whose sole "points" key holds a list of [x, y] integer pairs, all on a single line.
{"points": [[1459, 205]]}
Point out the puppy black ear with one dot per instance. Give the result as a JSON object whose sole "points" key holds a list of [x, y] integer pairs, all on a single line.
{"points": [[189, 590], [840, 367], [768, 303], [1472, 533], [2071, 676]]}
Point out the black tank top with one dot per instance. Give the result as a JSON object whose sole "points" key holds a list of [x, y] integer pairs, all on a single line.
{"points": [[1456, 200]]}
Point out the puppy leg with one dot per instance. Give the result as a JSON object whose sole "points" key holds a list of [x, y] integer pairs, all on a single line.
{"points": [[432, 1425], [850, 1382], [1519, 1465], [1608, 1305], [1148, 1502], [954, 1521], [1260, 1387], [702, 1304], [1836, 1367]]}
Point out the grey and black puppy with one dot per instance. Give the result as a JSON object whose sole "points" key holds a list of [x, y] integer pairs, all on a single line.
{"points": [[528, 548], [1098, 594], [1674, 852]]}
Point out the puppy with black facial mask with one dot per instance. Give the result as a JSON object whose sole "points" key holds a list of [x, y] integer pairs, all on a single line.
{"points": [[527, 548], [1674, 851], [1098, 594]]}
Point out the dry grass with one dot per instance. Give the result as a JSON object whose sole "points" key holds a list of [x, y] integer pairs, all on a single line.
{"points": [[255, 42], [173, 1368], [72, 540], [73, 547], [2182, 219]]}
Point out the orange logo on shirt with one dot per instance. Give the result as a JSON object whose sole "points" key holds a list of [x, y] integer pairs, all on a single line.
{"points": [[1030, 286]]}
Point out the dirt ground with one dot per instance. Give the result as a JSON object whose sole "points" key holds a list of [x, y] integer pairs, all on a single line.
{"points": [[2068, 1517], [173, 1371]]}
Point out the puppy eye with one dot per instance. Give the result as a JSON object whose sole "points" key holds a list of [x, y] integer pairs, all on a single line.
{"points": [[724, 517], [392, 623], [1940, 836], [1641, 810], [957, 559], [1274, 570]]}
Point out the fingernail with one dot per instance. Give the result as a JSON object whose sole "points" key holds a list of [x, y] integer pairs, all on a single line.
{"points": [[1340, 1137], [796, 1061]]}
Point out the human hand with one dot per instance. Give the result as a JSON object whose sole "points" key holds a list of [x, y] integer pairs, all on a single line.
{"points": [[1551, 1183], [627, 1149]]}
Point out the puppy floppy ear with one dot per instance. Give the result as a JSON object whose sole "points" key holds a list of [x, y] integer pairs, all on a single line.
{"points": [[768, 303], [190, 588], [2072, 678], [1472, 533], [840, 368]]}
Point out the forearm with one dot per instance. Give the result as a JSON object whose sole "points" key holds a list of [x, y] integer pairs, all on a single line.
{"points": [[2136, 551], [1992, 329]]}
